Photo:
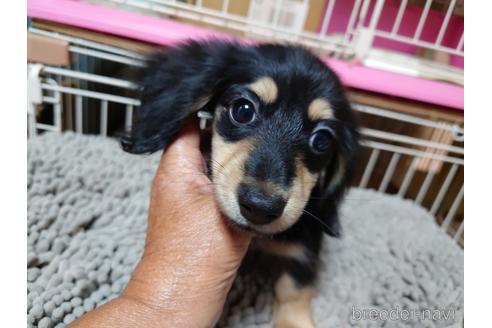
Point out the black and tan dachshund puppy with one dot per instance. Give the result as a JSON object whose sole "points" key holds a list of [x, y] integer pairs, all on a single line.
{"points": [[284, 143]]}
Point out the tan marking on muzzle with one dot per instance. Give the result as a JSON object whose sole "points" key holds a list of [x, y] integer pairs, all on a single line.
{"points": [[292, 307], [320, 109], [268, 187], [299, 196], [228, 159], [265, 88]]}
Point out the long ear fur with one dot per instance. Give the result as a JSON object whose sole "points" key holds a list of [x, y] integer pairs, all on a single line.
{"points": [[174, 85], [337, 177]]}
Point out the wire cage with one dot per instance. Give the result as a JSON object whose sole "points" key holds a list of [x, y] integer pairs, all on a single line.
{"points": [[89, 96], [415, 37]]}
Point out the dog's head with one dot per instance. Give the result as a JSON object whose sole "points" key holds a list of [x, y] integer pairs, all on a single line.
{"points": [[280, 118]]}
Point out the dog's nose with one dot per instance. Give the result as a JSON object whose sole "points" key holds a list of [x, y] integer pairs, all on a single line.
{"points": [[258, 207]]}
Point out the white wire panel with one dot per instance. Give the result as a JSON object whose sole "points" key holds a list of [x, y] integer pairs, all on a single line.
{"points": [[399, 17], [423, 38], [342, 27], [281, 20], [444, 188], [103, 124], [390, 170], [421, 26]]}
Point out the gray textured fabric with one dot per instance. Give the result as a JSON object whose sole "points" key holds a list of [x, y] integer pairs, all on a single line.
{"points": [[87, 203]]}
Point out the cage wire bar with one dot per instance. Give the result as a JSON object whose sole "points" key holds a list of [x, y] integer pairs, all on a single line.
{"points": [[423, 20], [352, 38], [376, 142]]}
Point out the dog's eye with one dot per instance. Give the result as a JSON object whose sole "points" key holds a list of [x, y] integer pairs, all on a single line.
{"points": [[320, 141], [242, 111]]}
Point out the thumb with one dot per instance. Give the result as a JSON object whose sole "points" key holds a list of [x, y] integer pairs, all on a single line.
{"points": [[184, 150]]}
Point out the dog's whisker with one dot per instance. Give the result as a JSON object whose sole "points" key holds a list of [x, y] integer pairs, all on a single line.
{"points": [[213, 161], [317, 219]]}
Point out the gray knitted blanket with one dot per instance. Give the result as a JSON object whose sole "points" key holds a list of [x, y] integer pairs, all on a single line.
{"points": [[87, 207]]}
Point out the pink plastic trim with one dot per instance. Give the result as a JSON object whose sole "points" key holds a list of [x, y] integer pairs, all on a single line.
{"points": [[117, 22], [410, 20], [166, 32], [399, 85]]}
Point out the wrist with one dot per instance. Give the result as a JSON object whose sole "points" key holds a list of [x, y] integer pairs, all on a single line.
{"points": [[123, 312], [172, 300], [167, 314]]}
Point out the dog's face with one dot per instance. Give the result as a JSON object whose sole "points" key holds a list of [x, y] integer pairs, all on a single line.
{"points": [[272, 137], [280, 119]]}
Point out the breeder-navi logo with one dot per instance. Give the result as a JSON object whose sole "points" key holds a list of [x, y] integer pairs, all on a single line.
{"points": [[399, 314]]}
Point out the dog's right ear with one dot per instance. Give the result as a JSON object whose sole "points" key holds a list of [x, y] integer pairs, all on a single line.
{"points": [[175, 84]]}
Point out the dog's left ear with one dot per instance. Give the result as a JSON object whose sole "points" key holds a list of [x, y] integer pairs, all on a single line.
{"points": [[336, 179], [174, 85]]}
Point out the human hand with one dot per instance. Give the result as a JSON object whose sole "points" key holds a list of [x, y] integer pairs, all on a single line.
{"points": [[191, 254]]}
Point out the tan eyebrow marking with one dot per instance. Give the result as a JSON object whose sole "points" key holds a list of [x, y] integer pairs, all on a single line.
{"points": [[265, 88], [320, 109]]}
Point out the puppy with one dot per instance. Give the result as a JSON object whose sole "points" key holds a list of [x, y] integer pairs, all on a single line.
{"points": [[284, 143]]}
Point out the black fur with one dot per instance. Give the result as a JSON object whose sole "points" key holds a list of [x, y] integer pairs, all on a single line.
{"points": [[176, 80]]}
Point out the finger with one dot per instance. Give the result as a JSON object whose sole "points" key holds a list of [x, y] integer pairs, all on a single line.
{"points": [[188, 137], [184, 150]]}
